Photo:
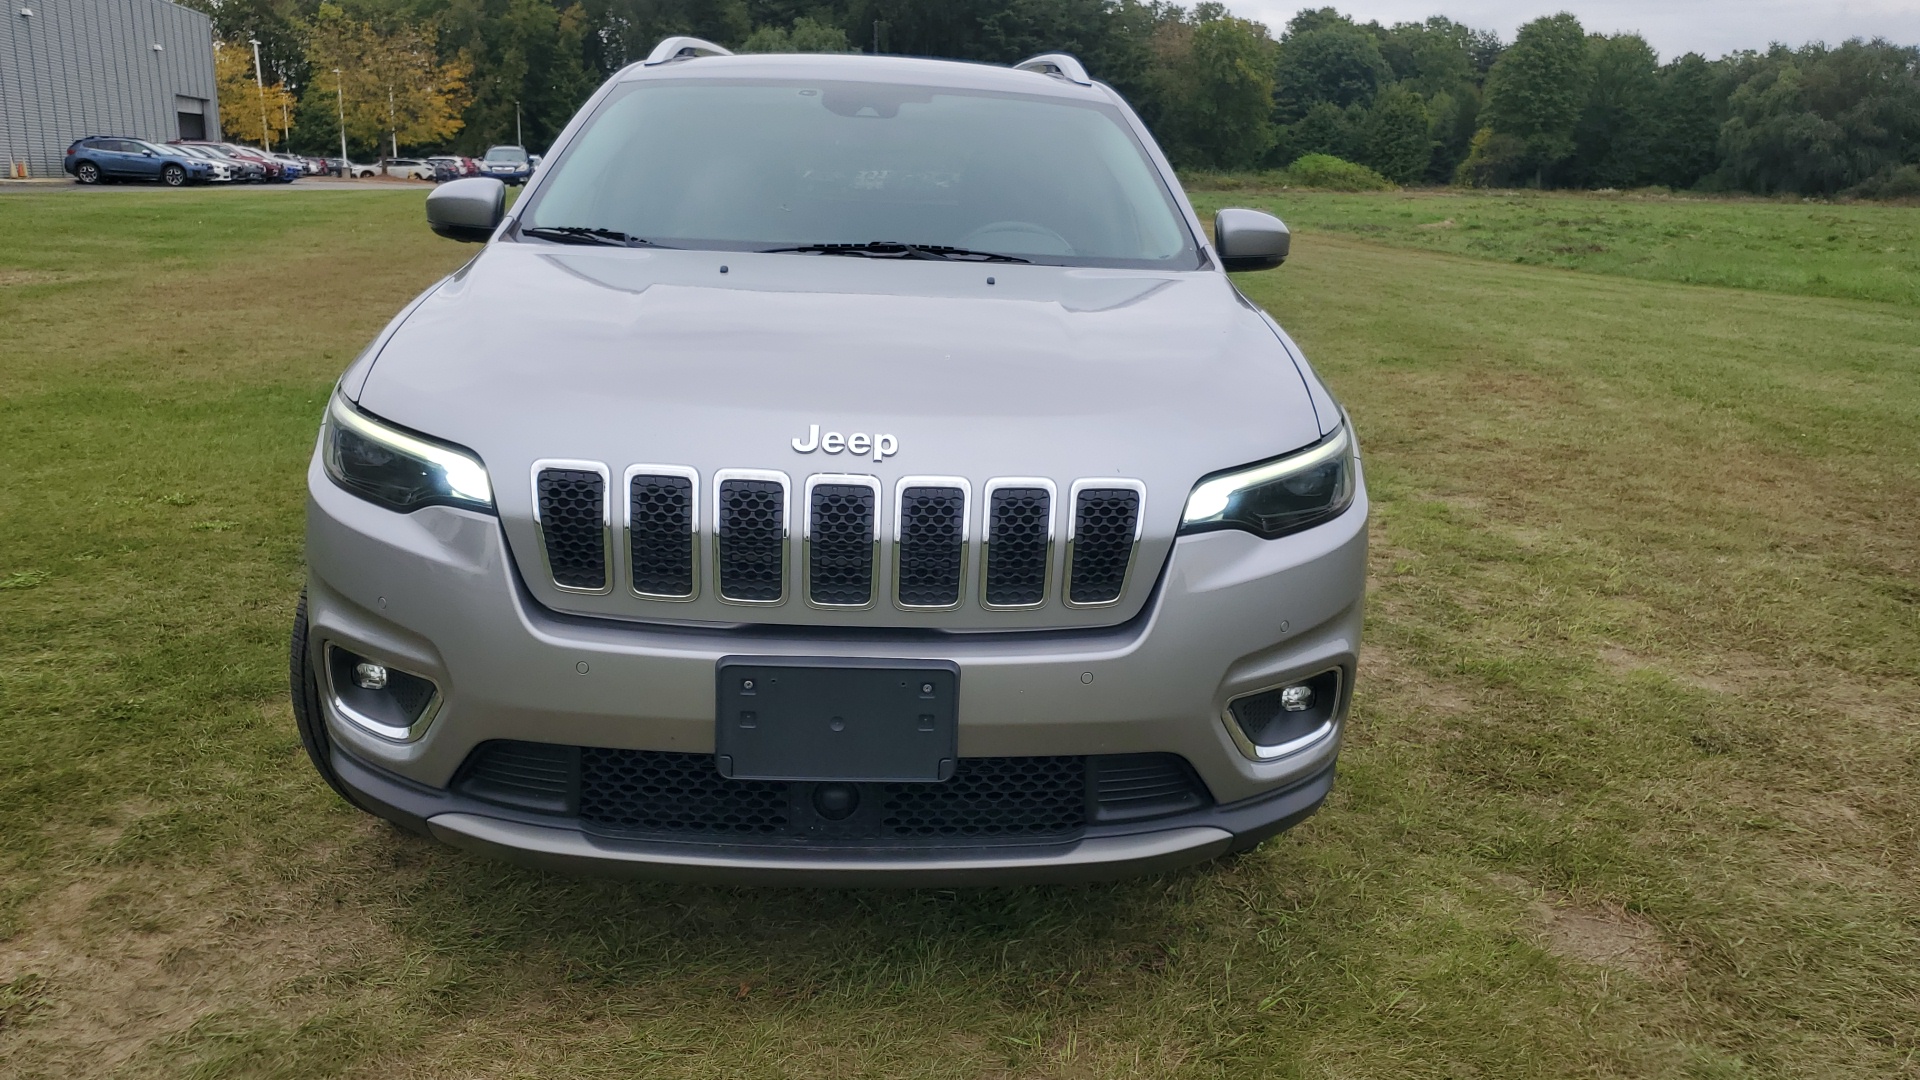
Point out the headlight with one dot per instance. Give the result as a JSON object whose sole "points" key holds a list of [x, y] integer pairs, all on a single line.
{"points": [[398, 470], [1281, 496]]}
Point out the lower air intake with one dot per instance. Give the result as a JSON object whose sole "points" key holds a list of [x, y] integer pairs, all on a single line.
{"points": [[573, 527]]}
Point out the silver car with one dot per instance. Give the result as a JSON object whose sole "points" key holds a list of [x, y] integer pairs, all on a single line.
{"points": [[836, 470]]}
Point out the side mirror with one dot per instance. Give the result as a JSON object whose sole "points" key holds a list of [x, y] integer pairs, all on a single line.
{"points": [[467, 210], [1250, 239]]}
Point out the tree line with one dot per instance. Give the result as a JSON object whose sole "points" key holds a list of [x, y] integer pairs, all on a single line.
{"points": [[1426, 102]]}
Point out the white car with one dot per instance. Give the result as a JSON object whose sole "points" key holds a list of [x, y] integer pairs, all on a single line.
{"points": [[410, 169]]}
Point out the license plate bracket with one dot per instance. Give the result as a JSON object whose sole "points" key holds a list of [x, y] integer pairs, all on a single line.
{"points": [[848, 720]]}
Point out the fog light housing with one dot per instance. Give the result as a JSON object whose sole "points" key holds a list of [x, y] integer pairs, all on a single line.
{"points": [[1285, 719], [378, 697]]}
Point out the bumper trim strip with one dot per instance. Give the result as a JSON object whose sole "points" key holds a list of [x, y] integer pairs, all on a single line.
{"points": [[1090, 859]]}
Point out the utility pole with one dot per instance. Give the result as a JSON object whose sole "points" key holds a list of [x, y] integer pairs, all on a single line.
{"points": [[340, 92], [519, 140], [393, 126], [286, 122], [260, 81]]}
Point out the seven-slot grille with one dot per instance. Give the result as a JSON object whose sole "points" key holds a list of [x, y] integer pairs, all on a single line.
{"points": [[930, 554], [573, 526], [841, 519], [660, 535], [1019, 536], [751, 540], [840, 523], [1100, 541]]}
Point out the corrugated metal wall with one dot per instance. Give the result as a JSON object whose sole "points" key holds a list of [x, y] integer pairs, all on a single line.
{"points": [[89, 67]]}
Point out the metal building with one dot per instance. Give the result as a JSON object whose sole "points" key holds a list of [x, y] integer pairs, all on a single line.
{"points": [[69, 68]]}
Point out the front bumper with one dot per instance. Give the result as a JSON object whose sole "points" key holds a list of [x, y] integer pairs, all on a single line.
{"points": [[436, 593]]}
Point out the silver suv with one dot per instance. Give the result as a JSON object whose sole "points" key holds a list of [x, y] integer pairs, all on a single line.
{"points": [[836, 470]]}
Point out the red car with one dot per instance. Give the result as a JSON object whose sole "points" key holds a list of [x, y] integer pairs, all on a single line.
{"points": [[275, 170]]}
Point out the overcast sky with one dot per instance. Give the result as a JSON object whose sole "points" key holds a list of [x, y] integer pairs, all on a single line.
{"points": [[1672, 27]]}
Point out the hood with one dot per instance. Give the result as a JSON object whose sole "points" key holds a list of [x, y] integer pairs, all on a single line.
{"points": [[723, 360]]}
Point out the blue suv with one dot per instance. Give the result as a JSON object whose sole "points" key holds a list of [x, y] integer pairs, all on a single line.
{"points": [[98, 159]]}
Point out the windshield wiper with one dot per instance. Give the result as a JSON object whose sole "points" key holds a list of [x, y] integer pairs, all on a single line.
{"points": [[583, 234], [888, 249]]}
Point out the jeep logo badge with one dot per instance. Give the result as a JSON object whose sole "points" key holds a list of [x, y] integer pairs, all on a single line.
{"points": [[881, 446]]}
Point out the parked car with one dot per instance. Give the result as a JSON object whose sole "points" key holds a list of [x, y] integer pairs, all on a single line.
{"points": [[270, 170], [880, 494], [507, 163], [225, 170], [97, 159], [447, 167], [295, 166], [409, 168]]}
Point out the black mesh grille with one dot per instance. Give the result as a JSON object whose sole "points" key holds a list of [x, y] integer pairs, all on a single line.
{"points": [[932, 543], [753, 545], [1022, 796], [660, 538], [1017, 523], [1104, 520], [572, 522], [645, 791], [652, 793], [840, 545]]}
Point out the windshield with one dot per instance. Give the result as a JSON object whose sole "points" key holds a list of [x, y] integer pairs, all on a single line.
{"points": [[506, 153], [755, 165]]}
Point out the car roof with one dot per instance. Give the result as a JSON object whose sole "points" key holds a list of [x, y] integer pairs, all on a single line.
{"points": [[857, 67]]}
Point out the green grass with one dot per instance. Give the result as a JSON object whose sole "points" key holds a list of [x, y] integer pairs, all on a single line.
{"points": [[1851, 251], [1629, 790]]}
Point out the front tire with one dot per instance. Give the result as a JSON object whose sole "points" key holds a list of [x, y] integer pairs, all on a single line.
{"points": [[308, 718], [87, 173], [173, 176]]}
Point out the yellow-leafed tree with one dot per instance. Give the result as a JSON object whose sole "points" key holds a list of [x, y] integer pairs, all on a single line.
{"points": [[391, 82], [243, 102]]}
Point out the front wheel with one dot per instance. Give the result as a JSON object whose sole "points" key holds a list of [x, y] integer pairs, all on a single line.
{"points": [[87, 172], [173, 176], [308, 718]]}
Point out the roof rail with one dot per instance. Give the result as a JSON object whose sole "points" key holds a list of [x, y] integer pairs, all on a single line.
{"points": [[683, 48], [1057, 64]]}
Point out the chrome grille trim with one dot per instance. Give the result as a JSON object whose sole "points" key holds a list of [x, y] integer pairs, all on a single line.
{"points": [[721, 482], [540, 523], [900, 489], [1074, 493], [692, 477], [810, 531], [988, 520]]}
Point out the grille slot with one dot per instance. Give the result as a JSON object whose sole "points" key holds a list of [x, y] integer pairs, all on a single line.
{"points": [[533, 776], [1100, 544], [840, 541], [660, 535], [751, 539], [1130, 787], [932, 546], [573, 526], [646, 791], [1019, 541], [992, 797]]}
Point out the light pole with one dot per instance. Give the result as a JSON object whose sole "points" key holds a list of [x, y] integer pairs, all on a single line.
{"points": [[260, 82], [286, 122], [518, 139], [340, 92]]}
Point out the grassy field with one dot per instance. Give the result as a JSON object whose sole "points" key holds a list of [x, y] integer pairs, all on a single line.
{"points": [[1629, 791], [1857, 252]]}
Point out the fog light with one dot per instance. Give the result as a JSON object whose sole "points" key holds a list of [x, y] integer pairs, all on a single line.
{"points": [[374, 677], [1292, 699]]}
